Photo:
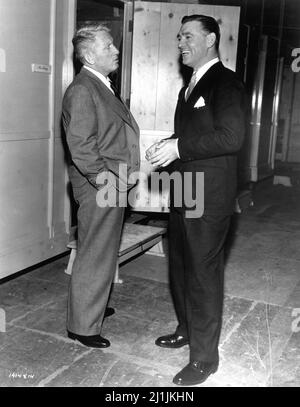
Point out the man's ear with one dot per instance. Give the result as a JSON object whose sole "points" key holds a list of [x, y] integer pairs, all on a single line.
{"points": [[211, 39], [89, 58]]}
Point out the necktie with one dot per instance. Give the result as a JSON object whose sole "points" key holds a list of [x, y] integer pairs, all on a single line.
{"points": [[191, 86], [115, 92]]}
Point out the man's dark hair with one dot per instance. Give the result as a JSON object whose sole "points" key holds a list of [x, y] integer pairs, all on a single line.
{"points": [[209, 24]]}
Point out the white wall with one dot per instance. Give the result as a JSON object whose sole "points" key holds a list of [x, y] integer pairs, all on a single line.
{"points": [[34, 216]]}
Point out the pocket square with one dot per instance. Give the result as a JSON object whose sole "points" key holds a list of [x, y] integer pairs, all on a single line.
{"points": [[200, 102]]}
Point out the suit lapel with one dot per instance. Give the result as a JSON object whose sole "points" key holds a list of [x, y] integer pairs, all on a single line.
{"points": [[116, 105], [201, 89], [180, 116], [204, 84]]}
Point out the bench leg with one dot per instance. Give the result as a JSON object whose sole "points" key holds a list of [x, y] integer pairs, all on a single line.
{"points": [[117, 280], [68, 270]]}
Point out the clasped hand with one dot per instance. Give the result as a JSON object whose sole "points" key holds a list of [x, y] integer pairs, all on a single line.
{"points": [[162, 153]]}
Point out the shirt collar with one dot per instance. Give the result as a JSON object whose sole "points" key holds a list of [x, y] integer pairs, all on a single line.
{"points": [[203, 69], [99, 75]]}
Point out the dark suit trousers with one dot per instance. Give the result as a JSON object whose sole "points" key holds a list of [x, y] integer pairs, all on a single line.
{"points": [[196, 260], [99, 231]]}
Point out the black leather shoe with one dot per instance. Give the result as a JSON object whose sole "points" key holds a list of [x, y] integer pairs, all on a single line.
{"points": [[195, 372], [108, 312], [171, 341], [93, 341]]}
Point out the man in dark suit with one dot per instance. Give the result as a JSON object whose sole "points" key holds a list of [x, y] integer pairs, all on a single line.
{"points": [[209, 130], [103, 139]]}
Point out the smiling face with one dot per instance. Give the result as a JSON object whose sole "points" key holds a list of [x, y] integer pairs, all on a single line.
{"points": [[195, 44], [102, 54]]}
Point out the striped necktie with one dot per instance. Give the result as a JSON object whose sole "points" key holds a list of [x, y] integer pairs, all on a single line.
{"points": [[191, 86]]}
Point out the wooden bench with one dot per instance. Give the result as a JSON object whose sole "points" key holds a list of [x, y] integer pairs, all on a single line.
{"points": [[135, 239]]}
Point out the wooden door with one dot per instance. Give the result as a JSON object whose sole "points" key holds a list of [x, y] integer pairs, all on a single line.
{"points": [[156, 76], [36, 67]]}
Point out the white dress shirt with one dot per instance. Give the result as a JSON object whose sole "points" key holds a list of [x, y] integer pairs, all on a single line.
{"points": [[99, 75]]}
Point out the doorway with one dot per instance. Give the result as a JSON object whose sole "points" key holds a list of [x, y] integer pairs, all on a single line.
{"points": [[111, 14]]}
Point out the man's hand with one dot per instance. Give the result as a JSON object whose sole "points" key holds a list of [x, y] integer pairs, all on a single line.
{"points": [[151, 150], [163, 153]]}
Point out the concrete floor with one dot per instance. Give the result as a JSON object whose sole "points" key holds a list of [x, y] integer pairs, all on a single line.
{"points": [[260, 341]]}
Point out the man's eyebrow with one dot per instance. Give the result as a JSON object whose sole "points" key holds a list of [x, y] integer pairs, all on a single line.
{"points": [[183, 33]]}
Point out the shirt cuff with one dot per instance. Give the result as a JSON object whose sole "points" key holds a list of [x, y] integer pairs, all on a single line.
{"points": [[176, 147]]}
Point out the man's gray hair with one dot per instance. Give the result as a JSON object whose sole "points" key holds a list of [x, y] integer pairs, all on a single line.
{"points": [[85, 36]]}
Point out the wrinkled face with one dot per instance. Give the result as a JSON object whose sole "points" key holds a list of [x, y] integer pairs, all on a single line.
{"points": [[193, 44], [103, 55]]}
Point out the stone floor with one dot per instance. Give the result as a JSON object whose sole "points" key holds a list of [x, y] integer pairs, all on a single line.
{"points": [[260, 340]]}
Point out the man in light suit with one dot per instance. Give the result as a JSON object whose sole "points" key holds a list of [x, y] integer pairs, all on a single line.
{"points": [[101, 135], [209, 131]]}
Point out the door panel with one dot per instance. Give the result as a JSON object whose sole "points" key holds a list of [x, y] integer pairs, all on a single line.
{"points": [[169, 79], [23, 24], [145, 61], [23, 202]]}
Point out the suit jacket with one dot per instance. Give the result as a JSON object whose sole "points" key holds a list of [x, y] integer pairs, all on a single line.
{"points": [[209, 136], [101, 132]]}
